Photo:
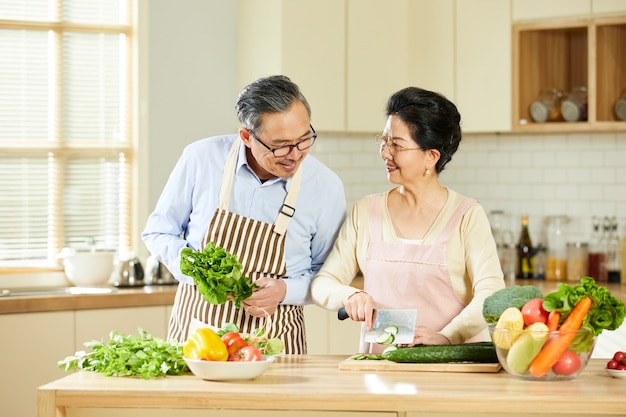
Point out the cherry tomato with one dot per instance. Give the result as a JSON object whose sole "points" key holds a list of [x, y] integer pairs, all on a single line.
{"points": [[568, 363], [233, 342], [612, 364], [246, 354], [534, 312], [620, 357]]}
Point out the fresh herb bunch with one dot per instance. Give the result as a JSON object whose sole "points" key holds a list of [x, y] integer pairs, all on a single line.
{"points": [[217, 274], [129, 355]]}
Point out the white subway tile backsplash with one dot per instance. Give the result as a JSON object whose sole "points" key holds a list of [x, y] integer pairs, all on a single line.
{"points": [[578, 174]]}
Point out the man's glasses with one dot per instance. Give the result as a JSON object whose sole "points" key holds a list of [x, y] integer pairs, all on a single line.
{"points": [[393, 148], [285, 150]]}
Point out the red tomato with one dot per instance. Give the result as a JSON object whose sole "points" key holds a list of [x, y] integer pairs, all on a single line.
{"points": [[246, 354], [568, 363], [612, 364], [533, 312], [620, 357], [233, 342]]}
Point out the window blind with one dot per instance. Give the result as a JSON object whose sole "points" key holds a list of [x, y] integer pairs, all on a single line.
{"points": [[66, 145]]}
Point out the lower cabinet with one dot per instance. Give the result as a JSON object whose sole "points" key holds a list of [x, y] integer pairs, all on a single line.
{"points": [[33, 343]]}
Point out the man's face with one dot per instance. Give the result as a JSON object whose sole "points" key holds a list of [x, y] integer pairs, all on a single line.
{"points": [[278, 129]]}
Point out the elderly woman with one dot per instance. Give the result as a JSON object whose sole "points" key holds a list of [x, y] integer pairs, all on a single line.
{"points": [[419, 245]]}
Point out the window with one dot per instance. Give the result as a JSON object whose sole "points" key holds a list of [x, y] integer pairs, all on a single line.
{"points": [[66, 144]]}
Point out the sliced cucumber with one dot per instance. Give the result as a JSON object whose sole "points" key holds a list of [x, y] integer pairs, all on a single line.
{"points": [[392, 330], [385, 338]]}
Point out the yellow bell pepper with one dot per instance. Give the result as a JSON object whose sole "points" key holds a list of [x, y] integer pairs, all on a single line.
{"points": [[206, 345]]}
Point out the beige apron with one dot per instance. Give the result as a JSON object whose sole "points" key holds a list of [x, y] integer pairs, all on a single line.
{"points": [[259, 247], [406, 276]]}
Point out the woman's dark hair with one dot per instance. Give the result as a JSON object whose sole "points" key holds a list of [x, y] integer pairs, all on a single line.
{"points": [[434, 121], [273, 94]]}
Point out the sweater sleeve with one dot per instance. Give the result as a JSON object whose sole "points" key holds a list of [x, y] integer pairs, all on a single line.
{"points": [[331, 286]]}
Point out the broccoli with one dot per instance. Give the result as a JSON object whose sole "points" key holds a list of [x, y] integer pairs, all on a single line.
{"points": [[513, 296]]}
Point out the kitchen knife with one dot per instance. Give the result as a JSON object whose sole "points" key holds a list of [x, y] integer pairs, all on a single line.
{"points": [[403, 320]]}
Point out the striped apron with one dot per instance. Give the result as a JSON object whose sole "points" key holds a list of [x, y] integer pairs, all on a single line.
{"points": [[259, 247]]}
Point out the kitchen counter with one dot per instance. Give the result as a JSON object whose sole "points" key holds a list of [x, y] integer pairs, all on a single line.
{"points": [[149, 295], [315, 383]]}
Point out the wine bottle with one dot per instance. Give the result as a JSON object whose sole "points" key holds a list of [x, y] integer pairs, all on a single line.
{"points": [[525, 253]]}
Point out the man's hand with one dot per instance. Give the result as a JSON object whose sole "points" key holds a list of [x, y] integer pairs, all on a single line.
{"points": [[265, 299]]}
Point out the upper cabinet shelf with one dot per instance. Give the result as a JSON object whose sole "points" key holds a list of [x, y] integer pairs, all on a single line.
{"points": [[565, 54]]}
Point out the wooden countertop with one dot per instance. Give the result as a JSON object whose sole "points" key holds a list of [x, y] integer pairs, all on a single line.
{"points": [[315, 383], [149, 295]]}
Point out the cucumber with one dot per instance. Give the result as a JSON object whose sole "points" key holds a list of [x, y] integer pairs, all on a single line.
{"points": [[482, 352]]}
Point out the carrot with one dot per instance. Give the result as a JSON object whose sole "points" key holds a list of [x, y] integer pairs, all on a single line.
{"points": [[554, 348], [553, 320]]}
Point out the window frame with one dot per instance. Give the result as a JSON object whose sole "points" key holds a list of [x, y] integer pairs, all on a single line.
{"points": [[61, 149]]}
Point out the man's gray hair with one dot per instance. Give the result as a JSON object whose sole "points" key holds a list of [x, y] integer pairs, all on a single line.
{"points": [[274, 94]]}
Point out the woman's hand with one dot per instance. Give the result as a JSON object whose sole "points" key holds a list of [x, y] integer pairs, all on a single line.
{"points": [[360, 307], [425, 336]]}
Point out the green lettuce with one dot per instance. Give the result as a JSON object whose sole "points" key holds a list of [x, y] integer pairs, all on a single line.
{"points": [[607, 312], [217, 273]]}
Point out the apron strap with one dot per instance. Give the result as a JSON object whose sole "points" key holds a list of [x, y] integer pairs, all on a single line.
{"points": [[288, 209], [455, 219], [227, 180], [289, 205]]}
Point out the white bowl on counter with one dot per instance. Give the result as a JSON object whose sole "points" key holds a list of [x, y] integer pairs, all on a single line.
{"points": [[87, 267], [227, 370]]}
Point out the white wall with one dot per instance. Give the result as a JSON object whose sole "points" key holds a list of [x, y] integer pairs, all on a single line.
{"points": [[188, 68], [578, 175]]}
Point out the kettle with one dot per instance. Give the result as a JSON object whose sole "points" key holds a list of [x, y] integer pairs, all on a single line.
{"points": [[130, 273], [157, 273]]}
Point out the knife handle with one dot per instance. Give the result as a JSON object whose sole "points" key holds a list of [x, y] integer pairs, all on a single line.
{"points": [[342, 314]]}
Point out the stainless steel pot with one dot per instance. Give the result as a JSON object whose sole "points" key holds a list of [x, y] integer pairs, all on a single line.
{"points": [[130, 274], [157, 273]]}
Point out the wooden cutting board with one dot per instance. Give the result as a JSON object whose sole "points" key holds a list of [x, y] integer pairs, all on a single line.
{"points": [[385, 365]]}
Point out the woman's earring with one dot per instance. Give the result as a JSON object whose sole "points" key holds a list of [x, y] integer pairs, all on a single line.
{"points": [[427, 171]]}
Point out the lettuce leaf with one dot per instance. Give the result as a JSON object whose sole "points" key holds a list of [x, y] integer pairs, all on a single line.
{"points": [[607, 312], [217, 273]]}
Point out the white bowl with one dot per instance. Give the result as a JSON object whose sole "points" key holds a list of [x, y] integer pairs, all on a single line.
{"points": [[89, 267], [224, 371], [616, 373]]}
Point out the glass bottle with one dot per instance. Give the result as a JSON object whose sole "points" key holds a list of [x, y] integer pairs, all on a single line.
{"points": [[556, 258], [613, 252], [525, 262], [597, 255], [540, 262]]}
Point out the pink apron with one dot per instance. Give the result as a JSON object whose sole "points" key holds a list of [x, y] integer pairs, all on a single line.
{"points": [[260, 248], [409, 276]]}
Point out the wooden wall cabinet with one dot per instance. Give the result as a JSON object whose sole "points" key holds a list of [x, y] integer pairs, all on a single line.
{"points": [[565, 54]]}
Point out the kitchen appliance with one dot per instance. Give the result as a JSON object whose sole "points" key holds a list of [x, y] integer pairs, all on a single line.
{"points": [[157, 273], [403, 320], [130, 274]]}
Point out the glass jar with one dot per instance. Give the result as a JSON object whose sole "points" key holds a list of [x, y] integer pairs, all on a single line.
{"points": [[547, 106], [574, 106], [577, 258], [620, 106], [556, 257]]}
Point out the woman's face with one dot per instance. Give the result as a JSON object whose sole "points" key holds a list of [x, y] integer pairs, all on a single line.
{"points": [[279, 129], [404, 160]]}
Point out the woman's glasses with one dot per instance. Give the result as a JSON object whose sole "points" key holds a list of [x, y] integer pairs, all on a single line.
{"points": [[393, 148]]}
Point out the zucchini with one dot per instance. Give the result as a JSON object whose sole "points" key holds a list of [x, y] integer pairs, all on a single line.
{"points": [[482, 352]]}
